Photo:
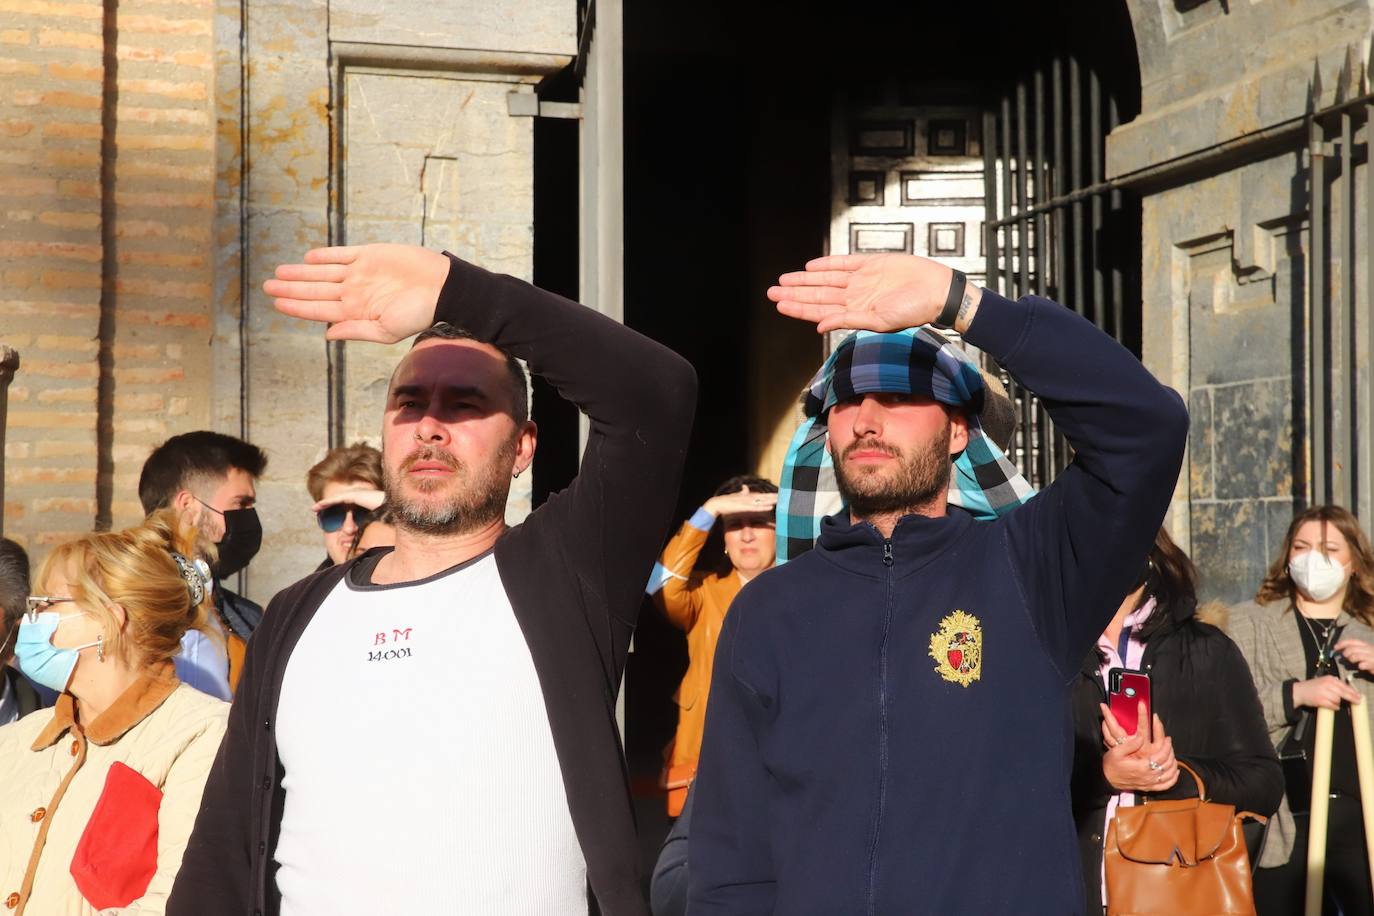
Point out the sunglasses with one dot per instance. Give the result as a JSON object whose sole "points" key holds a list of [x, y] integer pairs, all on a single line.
{"points": [[331, 518]]}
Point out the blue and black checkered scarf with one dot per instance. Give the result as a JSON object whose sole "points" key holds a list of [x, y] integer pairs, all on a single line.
{"points": [[916, 361]]}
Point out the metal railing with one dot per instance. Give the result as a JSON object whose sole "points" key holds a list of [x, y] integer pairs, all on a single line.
{"points": [[1057, 227], [1340, 440], [1054, 228], [9, 364]]}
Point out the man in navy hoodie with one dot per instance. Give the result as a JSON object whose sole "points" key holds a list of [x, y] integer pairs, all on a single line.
{"points": [[889, 727]]}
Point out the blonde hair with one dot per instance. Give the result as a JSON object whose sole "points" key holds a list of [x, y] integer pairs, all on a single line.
{"points": [[134, 569], [345, 464]]}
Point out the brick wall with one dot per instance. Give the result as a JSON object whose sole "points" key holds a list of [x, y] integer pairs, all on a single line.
{"points": [[127, 144], [51, 58], [159, 246], [83, 235]]}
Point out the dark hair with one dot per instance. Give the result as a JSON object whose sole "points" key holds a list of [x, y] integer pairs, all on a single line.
{"points": [[711, 556], [519, 387], [358, 461], [737, 484], [177, 463], [998, 415], [14, 585], [1170, 578], [1359, 595]]}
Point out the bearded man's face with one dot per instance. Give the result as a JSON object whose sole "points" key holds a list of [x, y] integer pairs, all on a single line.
{"points": [[892, 452], [450, 439]]}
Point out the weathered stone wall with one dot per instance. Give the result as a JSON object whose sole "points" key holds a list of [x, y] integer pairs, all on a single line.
{"points": [[106, 196], [460, 181], [423, 151], [1224, 257], [159, 266], [155, 168]]}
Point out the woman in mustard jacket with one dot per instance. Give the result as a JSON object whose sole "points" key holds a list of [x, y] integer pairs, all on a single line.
{"points": [[697, 602], [98, 794]]}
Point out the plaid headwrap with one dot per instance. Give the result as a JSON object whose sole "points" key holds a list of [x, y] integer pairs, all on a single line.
{"points": [[915, 361]]}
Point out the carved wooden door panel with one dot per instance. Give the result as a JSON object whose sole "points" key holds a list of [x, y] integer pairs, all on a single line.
{"points": [[908, 178]]}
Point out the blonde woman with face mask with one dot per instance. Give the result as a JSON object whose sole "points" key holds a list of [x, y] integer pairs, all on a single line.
{"points": [[99, 793], [1308, 629]]}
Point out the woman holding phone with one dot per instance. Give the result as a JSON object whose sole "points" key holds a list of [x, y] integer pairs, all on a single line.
{"points": [[1202, 710], [1308, 627]]}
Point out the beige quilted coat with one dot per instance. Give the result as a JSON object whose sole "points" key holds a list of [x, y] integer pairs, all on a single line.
{"points": [[52, 772]]}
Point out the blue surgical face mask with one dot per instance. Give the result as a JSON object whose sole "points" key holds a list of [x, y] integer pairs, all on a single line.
{"points": [[38, 658]]}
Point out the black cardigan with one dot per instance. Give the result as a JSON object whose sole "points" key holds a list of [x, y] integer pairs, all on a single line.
{"points": [[27, 698], [1200, 687], [574, 572]]}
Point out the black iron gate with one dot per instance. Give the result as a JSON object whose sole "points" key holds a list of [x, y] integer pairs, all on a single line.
{"points": [[1340, 427], [1054, 227]]}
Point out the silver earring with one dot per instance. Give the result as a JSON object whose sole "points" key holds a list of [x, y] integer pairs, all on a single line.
{"points": [[515, 476], [100, 648]]}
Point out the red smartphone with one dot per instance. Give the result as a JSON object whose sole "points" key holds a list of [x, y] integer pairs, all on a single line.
{"points": [[1126, 689]]}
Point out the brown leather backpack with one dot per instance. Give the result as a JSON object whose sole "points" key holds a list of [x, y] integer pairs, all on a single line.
{"points": [[1182, 857]]}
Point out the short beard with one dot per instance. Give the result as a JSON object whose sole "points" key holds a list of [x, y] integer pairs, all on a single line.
{"points": [[479, 499], [918, 479]]}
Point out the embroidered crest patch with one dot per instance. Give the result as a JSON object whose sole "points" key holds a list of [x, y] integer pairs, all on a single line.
{"points": [[957, 648]]}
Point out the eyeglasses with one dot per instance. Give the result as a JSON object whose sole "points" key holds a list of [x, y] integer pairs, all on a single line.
{"points": [[37, 604], [331, 518]]}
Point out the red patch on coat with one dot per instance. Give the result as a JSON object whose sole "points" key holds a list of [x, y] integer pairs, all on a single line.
{"points": [[117, 855]]}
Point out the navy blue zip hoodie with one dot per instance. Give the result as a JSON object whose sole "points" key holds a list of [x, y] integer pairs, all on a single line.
{"points": [[889, 728]]}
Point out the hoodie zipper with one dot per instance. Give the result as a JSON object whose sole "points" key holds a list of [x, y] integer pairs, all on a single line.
{"points": [[888, 563]]}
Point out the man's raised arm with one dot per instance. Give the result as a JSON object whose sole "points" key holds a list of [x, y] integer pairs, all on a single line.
{"points": [[1081, 543], [639, 396]]}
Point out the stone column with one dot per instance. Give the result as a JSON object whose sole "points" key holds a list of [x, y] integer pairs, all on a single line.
{"points": [[9, 364]]}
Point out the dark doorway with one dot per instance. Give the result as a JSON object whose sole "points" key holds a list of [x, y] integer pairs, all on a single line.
{"points": [[728, 122]]}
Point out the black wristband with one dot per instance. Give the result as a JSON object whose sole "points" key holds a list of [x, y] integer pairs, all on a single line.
{"points": [[952, 301]]}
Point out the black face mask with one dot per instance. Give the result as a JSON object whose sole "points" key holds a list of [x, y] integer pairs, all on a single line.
{"points": [[242, 538]]}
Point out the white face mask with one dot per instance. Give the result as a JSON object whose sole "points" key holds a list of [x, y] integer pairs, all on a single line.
{"points": [[1316, 574]]}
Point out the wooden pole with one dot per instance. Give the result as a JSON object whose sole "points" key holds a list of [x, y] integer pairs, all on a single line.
{"points": [[1364, 762], [1321, 805]]}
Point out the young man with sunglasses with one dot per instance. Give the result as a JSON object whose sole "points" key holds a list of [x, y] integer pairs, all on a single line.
{"points": [[346, 485]]}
